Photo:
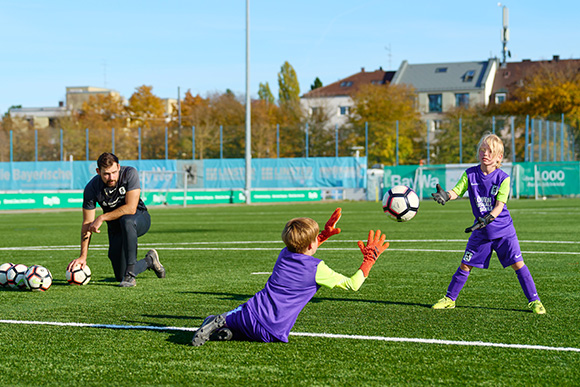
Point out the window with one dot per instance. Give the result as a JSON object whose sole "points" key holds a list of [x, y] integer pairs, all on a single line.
{"points": [[314, 110], [343, 110], [462, 99], [500, 98], [441, 70], [435, 104], [468, 77], [345, 84]]}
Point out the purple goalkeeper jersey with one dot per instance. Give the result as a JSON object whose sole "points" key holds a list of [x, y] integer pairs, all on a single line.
{"points": [[289, 288], [483, 190]]}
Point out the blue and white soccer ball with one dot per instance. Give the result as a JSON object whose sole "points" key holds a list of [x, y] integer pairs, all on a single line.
{"points": [[401, 203], [38, 278], [16, 276]]}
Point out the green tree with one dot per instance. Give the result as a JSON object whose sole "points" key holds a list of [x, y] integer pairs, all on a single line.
{"points": [[317, 83], [265, 94], [445, 147], [381, 106]]}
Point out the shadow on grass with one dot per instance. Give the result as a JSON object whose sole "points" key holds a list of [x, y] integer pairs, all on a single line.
{"points": [[245, 297]]}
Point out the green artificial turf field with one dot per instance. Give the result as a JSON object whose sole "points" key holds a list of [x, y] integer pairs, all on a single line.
{"points": [[218, 257]]}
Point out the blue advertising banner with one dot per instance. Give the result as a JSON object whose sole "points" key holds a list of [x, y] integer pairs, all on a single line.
{"points": [[344, 172], [36, 175]]}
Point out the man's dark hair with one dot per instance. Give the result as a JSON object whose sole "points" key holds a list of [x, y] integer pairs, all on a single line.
{"points": [[107, 160]]}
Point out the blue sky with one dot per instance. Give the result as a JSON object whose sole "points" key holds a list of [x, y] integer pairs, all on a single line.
{"points": [[199, 45]]}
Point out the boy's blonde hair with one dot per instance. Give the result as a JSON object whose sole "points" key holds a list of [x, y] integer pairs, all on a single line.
{"points": [[299, 233], [495, 145]]}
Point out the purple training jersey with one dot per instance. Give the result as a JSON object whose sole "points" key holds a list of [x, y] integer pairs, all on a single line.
{"points": [[289, 288], [483, 190]]}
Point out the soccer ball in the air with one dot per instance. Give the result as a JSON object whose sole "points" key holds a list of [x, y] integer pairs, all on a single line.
{"points": [[38, 278], [3, 274], [401, 203], [78, 275], [16, 276]]}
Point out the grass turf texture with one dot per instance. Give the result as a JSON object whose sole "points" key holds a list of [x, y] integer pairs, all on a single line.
{"points": [[206, 279]]}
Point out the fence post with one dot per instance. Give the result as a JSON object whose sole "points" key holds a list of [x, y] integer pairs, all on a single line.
{"points": [[397, 146], [306, 140], [112, 140], [61, 147], [540, 141], [562, 139], [532, 150], [493, 124], [87, 143], [526, 156], [428, 144], [166, 144], [460, 142], [11, 148], [139, 142], [367, 142], [336, 140], [35, 145], [547, 140], [513, 141], [193, 142], [278, 140], [221, 142], [555, 136]]}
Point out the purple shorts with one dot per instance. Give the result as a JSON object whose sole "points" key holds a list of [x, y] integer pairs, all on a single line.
{"points": [[246, 327], [479, 248]]}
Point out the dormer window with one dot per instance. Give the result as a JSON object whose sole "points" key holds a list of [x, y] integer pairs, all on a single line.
{"points": [[345, 84], [468, 77], [441, 70]]}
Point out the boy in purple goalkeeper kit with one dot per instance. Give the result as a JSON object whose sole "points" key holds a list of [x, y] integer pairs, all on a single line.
{"points": [[271, 313], [488, 188]]}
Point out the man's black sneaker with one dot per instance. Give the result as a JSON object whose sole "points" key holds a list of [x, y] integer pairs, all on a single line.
{"points": [[152, 259], [222, 334], [128, 281]]}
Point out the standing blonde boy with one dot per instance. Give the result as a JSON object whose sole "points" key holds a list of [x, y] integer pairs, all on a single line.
{"points": [[493, 230], [270, 314]]}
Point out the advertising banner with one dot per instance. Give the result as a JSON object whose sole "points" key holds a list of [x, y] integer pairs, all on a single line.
{"points": [[548, 179]]}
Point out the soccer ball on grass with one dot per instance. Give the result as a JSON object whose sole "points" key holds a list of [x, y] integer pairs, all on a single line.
{"points": [[38, 278], [16, 276], [401, 203], [3, 274], [78, 275]]}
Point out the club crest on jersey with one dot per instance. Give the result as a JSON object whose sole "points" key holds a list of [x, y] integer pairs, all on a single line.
{"points": [[494, 190], [122, 191], [467, 256]]}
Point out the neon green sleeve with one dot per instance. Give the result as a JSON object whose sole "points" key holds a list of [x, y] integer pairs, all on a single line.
{"points": [[504, 191], [461, 185], [327, 277]]}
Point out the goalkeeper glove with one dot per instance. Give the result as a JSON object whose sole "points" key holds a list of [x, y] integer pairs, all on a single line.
{"points": [[375, 246], [481, 223], [329, 228], [441, 196]]}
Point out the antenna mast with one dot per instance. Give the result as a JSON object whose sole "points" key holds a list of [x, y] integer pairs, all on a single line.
{"points": [[505, 35]]}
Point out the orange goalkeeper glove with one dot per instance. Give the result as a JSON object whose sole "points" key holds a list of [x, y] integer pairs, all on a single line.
{"points": [[329, 228], [375, 246]]}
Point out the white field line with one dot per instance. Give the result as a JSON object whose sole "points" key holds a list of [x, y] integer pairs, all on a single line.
{"points": [[306, 334], [187, 246]]}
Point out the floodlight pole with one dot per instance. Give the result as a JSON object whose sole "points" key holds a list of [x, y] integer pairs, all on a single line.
{"points": [[248, 110]]}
